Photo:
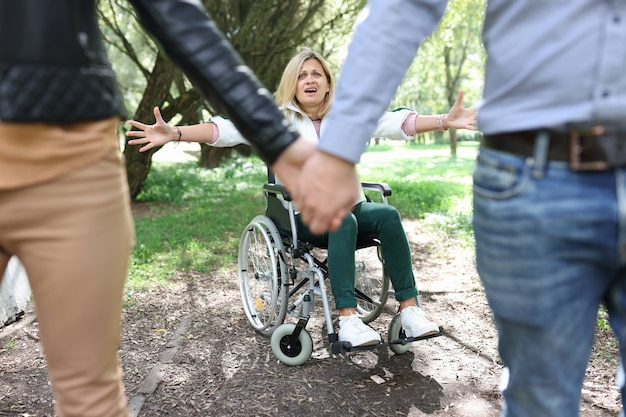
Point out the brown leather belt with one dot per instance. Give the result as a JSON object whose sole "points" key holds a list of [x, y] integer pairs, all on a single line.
{"points": [[590, 149]]}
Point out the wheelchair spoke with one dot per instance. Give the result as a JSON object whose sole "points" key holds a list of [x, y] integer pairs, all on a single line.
{"points": [[371, 283], [260, 274]]}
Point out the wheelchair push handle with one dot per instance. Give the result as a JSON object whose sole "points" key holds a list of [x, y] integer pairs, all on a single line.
{"points": [[383, 188], [278, 189]]}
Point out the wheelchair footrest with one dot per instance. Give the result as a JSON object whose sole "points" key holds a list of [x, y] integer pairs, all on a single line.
{"points": [[369, 347], [338, 347], [408, 340], [346, 347]]}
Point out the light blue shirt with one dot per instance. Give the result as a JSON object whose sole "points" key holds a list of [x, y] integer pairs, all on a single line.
{"points": [[550, 63]]}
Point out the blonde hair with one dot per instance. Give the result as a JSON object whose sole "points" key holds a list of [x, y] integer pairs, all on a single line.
{"points": [[286, 91]]}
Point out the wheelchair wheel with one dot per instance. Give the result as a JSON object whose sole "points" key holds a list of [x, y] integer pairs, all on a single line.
{"points": [[292, 354], [396, 332], [371, 283], [262, 274]]}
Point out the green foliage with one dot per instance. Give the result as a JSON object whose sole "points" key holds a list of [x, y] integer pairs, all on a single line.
{"points": [[128, 46], [175, 183], [10, 344], [606, 347], [285, 27], [428, 196], [451, 58]]}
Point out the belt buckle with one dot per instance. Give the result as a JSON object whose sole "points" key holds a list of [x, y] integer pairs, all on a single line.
{"points": [[576, 149]]}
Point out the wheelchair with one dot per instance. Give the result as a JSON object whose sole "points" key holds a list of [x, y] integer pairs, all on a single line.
{"points": [[279, 274]]}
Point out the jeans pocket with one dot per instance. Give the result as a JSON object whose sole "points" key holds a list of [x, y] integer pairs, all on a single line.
{"points": [[499, 176]]}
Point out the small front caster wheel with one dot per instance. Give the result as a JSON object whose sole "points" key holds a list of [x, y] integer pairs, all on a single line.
{"points": [[292, 354], [396, 332]]}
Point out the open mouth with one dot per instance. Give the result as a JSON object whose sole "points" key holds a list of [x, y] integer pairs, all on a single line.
{"points": [[310, 90]]}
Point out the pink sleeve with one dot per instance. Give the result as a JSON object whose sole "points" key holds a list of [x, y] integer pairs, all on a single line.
{"points": [[216, 131], [408, 126]]}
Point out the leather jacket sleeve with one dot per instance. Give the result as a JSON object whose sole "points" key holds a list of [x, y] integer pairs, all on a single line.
{"points": [[192, 40]]}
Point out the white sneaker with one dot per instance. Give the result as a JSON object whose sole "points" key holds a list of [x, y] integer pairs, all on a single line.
{"points": [[415, 323], [353, 330]]}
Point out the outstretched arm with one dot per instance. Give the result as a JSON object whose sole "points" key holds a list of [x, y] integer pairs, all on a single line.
{"points": [[160, 133]]}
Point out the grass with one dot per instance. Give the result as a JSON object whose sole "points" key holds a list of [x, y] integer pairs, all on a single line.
{"points": [[198, 214], [198, 219], [10, 343]]}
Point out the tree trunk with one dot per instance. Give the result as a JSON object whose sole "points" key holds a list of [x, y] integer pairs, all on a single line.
{"points": [[453, 142], [211, 157]]}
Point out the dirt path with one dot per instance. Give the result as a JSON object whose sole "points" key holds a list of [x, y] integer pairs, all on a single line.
{"points": [[187, 350]]}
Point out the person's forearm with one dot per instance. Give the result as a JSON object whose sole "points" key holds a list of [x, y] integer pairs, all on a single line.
{"points": [[202, 133], [382, 49], [196, 45], [430, 123]]}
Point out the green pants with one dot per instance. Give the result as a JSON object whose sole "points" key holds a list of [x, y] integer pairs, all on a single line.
{"points": [[367, 220]]}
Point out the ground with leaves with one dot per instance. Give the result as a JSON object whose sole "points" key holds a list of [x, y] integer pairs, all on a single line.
{"points": [[187, 350]]}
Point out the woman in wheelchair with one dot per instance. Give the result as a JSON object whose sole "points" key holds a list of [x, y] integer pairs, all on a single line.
{"points": [[305, 95]]}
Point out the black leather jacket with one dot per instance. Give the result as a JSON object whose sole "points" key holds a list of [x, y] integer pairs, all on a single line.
{"points": [[54, 34]]}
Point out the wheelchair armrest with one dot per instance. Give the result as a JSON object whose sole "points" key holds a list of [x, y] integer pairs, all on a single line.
{"points": [[381, 187], [278, 189]]}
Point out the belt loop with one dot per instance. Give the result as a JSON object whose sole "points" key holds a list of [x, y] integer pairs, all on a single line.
{"points": [[540, 153]]}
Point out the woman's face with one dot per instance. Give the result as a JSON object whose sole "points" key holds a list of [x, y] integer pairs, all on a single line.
{"points": [[312, 85]]}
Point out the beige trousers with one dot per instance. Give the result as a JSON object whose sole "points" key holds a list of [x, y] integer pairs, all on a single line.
{"points": [[74, 236]]}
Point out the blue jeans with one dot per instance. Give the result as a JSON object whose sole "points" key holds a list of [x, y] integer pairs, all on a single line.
{"points": [[550, 248]]}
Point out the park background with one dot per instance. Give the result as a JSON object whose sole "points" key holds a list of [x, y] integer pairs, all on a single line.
{"points": [[191, 202]]}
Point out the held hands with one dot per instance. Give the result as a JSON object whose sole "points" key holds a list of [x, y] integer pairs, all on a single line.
{"points": [[460, 117], [327, 187], [151, 136], [307, 173]]}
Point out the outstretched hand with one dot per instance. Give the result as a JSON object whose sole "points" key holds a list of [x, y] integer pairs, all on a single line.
{"points": [[151, 136], [460, 117]]}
